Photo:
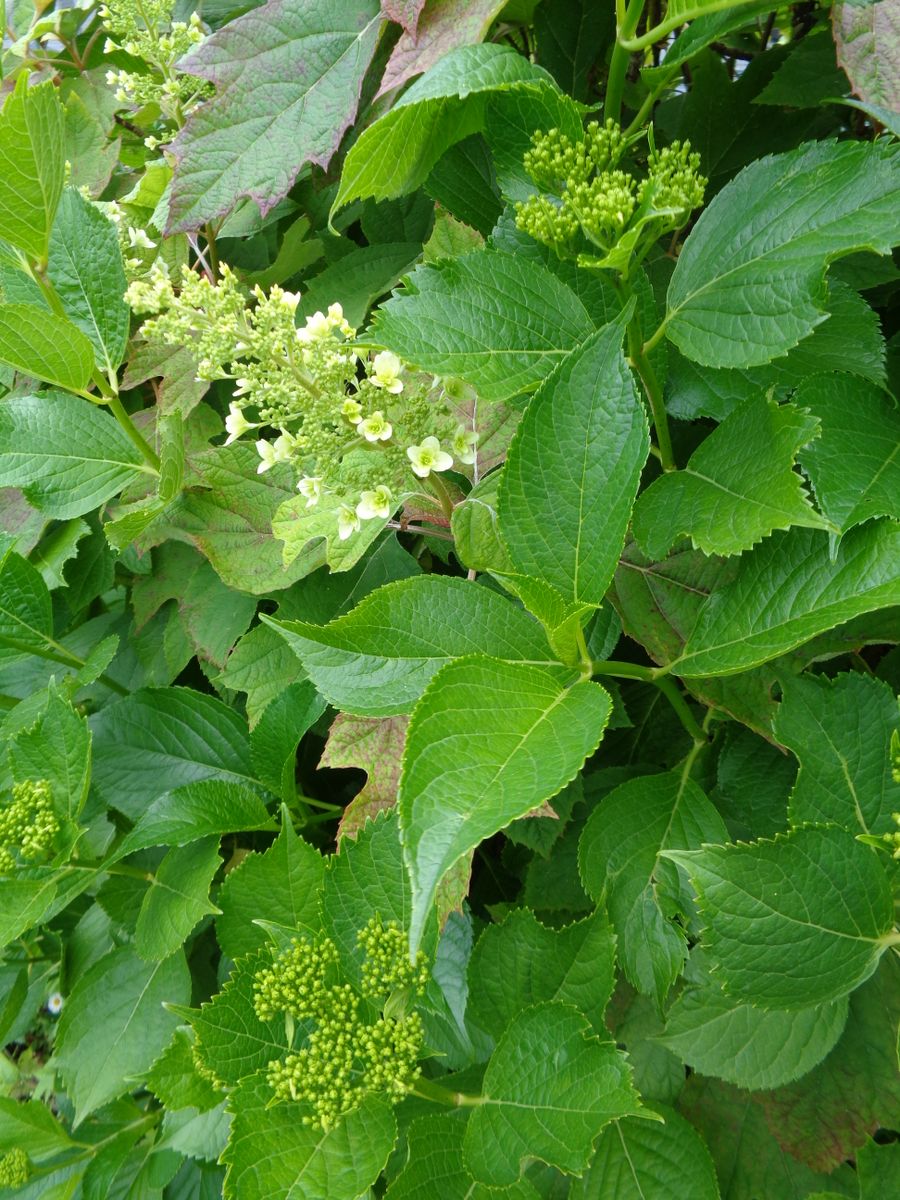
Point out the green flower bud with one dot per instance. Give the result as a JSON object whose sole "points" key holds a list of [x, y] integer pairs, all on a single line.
{"points": [[387, 968], [15, 1168]]}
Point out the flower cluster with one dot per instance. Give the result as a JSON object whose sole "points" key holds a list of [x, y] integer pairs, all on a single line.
{"points": [[588, 203], [360, 434], [347, 1054], [15, 1168], [144, 29], [27, 825]]}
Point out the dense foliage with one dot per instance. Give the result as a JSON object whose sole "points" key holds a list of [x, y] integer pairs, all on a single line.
{"points": [[449, 584]]}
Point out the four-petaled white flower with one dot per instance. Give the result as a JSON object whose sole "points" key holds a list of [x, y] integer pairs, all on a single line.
{"points": [[310, 487], [428, 457], [376, 428], [348, 522], [352, 410], [236, 424], [386, 368], [376, 503], [55, 1003], [464, 442], [274, 452], [140, 240]]}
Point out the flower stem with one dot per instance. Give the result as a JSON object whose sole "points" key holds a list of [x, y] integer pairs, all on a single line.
{"points": [[653, 391], [428, 1090], [618, 66], [668, 687]]}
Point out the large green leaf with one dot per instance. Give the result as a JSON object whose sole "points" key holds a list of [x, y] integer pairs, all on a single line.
{"points": [[792, 922], [498, 321], [67, 454], [649, 1160], [788, 590], [619, 862], [573, 471], [32, 166], [38, 343], [377, 660], [196, 811], [549, 1089], [86, 270], [55, 747], [26, 615], [396, 153], [272, 1156], [281, 886], [157, 739], [288, 77], [177, 899], [436, 1166], [751, 1047], [114, 1025], [854, 466], [522, 962], [750, 281], [737, 487], [840, 731], [488, 742]]}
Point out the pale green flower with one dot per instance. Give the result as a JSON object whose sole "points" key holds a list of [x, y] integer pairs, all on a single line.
{"points": [[386, 368], [236, 424], [310, 487], [376, 503], [376, 428], [464, 443], [428, 457], [348, 522], [274, 452], [352, 410]]}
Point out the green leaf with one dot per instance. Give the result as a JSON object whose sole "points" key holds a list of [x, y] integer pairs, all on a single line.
{"points": [[56, 747], [488, 742], [66, 453], [194, 811], [792, 922], [750, 1047], [738, 485], [549, 1089], [30, 1123], [359, 277], [436, 1166], [573, 471], [370, 744], [879, 1169], [808, 77], [274, 741], [232, 1042], [26, 616], [827, 1115], [177, 899], [521, 962], [312, 59], [476, 528], [649, 1160], [272, 1156], [114, 1025], [495, 320], [443, 26], [512, 118], [867, 33], [563, 620], [395, 154], [749, 1162], [854, 466], [619, 861], [281, 886], [262, 665], [32, 166], [158, 739], [175, 1080], [86, 270], [377, 660], [754, 780], [840, 731], [38, 343], [788, 590], [750, 281]]}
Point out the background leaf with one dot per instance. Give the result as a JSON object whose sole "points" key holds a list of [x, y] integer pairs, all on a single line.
{"points": [[33, 165], [867, 33], [436, 1161]]}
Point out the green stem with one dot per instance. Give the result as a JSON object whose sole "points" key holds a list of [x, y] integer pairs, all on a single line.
{"points": [[440, 490], [653, 391], [668, 687], [644, 111], [618, 65], [700, 744], [144, 448], [428, 1090], [54, 652]]}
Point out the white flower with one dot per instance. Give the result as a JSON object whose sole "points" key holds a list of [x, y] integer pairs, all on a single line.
{"points": [[290, 300], [376, 428], [284, 447], [339, 321], [139, 239], [348, 522], [310, 487], [386, 368], [235, 423], [318, 326], [428, 457], [375, 504], [266, 452], [464, 442], [55, 1003], [352, 410]]}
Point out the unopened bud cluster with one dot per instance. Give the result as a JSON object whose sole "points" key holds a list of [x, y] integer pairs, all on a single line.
{"points": [[588, 203], [28, 824], [359, 433], [347, 1054], [15, 1168], [144, 30]]}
